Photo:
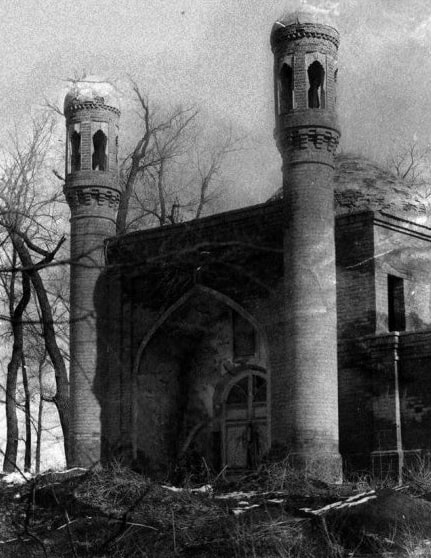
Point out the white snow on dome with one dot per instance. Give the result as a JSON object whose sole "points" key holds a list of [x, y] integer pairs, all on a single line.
{"points": [[92, 89], [311, 14]]}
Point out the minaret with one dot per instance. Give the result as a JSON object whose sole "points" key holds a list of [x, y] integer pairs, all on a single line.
{"points": [[92, 191], [305, 391]]}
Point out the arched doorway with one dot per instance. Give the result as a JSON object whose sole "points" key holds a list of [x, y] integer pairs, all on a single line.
{"points": [[185, 366], [245, 421]]}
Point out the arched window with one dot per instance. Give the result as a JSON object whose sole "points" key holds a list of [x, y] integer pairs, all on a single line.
{"points": [[316, 79], [75, 146], [99, 157], [286, 88]]}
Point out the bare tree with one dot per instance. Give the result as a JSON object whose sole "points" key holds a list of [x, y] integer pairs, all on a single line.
{"points": [[28, 216], [16, 312], [208, 163], [412, 164], [169, 174]]}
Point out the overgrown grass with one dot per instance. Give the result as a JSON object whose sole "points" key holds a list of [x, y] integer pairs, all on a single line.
{"points": [[284, 539], [118, 513], [418, 474]]}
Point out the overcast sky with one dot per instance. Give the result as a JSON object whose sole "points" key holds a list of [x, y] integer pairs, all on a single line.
{"points": [[216, 54]]}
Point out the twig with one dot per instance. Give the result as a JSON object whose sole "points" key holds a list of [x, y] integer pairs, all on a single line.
{"points": [[120, 533], [69, 532], [133, 524], [67, 524], [173, 532]]}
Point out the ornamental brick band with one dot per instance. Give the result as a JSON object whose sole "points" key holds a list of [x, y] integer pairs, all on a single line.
{"points": [[90, 196], [91, 106], [310, 138]]}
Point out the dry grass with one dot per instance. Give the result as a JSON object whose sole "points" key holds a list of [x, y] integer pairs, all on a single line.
{"points": [[117, 513], [284, 539], [418, 474], [282, 476]]}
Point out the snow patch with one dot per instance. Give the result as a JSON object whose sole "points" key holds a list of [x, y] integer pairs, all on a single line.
{"points": [[16, 478], [238, 511], [205, 489], [235, 495]]}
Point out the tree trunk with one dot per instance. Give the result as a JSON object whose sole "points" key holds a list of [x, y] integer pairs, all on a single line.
{"points": [[123, 207], [39, 418], [61, 397], [10, 456], [27, 410]]}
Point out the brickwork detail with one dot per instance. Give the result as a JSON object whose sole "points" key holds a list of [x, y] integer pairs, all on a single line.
{"points": [[282, 35], [90, 106], [90, 196], [314, 138]]}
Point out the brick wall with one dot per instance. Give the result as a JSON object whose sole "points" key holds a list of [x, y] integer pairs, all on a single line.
{"points": [[415, 390], [356, 297], [377, 369], [356, 300]]}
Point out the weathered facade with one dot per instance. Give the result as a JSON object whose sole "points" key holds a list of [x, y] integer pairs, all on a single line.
{"points": [[283, 329]]}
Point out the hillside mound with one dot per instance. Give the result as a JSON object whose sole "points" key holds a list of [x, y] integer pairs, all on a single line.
{"points": [[116, 512]]}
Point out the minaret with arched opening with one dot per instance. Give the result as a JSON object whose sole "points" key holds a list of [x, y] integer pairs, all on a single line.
{"points": [[305, 400], [92, 191]]}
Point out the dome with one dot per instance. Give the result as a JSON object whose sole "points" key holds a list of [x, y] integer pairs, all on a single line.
{"points": [[93, 89], [298, 17], [305, 20], [361, 185]]}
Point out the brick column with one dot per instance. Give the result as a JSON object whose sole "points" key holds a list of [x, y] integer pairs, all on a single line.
{"points": [[305, 417], [93, 197]]}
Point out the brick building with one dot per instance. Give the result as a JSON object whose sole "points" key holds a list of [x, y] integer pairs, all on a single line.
{"points": [[299, 327]]}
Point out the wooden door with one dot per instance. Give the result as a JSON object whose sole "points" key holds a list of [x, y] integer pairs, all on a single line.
{"points": [[246, 437]]}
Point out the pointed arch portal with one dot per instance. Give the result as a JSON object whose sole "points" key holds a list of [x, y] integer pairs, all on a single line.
{"points": [[192, 392]]}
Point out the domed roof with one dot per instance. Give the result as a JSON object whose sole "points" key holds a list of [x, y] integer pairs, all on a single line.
{"points": [[302, 16], [361, 185], [94, 89]]}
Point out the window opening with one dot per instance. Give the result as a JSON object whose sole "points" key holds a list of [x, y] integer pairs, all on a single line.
{"points": [[286, 83], [99, 158], [396, 304], [244, 337], [75, 144], [316, 92]]}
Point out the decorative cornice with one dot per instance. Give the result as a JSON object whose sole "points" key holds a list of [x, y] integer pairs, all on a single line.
{"points": [[296, 32], [90, 196], [90, 105], [304, 138]]}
